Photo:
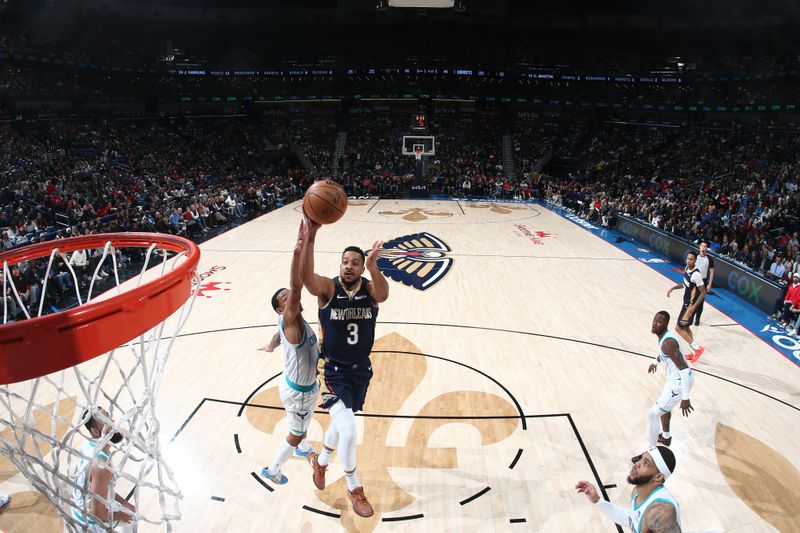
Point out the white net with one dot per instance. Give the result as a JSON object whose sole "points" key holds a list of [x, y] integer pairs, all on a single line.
{"points": [[94, 483]]}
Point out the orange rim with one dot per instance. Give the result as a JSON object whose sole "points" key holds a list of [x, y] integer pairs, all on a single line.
{"points": [[43, 345]]}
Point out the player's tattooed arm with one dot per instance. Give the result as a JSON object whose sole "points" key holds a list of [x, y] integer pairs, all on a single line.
{"points": [[661, 518], [273, 343], [317, 285]]}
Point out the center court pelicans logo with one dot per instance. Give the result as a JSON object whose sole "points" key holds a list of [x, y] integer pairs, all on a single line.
{"points": [[410, 437], [419, 260]]}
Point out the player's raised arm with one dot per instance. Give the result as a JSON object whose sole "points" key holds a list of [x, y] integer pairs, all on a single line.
{"points": [[319, 286], [292, 319], [378, 287]]}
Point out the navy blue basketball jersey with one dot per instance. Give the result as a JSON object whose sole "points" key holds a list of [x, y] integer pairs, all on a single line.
{"points": [[348, 324], [692, 281]]}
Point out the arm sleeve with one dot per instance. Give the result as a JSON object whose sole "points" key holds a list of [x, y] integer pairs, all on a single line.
{"points": [[617, 514], [686, 383]]}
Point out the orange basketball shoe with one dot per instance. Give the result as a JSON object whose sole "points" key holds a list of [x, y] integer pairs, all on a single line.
{"points": [[361, 506]]}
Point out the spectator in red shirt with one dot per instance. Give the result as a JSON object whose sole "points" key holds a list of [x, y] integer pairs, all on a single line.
{"points": [[791, 304]]}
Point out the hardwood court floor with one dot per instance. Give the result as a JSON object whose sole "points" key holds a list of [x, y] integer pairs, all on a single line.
{"points": [[520, 371]]}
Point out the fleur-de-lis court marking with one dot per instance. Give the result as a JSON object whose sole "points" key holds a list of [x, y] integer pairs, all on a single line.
{"points": [[497, 208], [399, 368], [416, 214]]}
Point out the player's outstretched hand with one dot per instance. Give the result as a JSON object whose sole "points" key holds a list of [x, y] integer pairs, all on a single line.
{"points": [[588, 489], [372, 258], [301, 237], [311, 226], [268, 348], [686, 407], [652, 368]]}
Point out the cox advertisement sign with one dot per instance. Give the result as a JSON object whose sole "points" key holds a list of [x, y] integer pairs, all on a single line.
{"points": [[739, 280]]}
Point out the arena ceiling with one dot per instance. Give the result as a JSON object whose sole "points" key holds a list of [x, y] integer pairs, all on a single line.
{"points": [[474, 12]]}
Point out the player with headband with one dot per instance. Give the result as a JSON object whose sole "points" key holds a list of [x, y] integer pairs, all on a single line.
{"points": [[653, 509]]}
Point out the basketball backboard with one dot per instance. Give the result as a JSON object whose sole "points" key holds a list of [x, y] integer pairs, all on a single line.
{"points": [[412, 141]]}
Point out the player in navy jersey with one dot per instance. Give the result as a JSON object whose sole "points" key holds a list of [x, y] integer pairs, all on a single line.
{"points": [[694, 293], [348, 310]]}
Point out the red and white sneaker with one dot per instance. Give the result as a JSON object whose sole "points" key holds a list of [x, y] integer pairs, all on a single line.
{"points": [[693, 358]]}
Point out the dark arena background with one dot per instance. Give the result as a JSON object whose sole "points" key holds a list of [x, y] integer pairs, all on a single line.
{"points": [[539, 171]]}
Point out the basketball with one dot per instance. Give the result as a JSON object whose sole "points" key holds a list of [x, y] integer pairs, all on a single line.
{"points": [[325, 202]]}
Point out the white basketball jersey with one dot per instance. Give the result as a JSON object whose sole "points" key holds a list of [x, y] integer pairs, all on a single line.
{"points": [[673, 374], [79, 474], [637, 513], [300, 360]]}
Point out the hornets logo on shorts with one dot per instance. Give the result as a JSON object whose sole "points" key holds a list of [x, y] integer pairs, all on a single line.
{"points": [[419, 260]]}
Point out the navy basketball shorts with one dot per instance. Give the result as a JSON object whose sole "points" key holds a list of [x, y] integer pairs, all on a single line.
{"points": [[348, 383], [686, 318]]}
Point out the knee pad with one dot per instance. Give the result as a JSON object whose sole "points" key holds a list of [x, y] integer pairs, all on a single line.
{"points": [[344, 420]]}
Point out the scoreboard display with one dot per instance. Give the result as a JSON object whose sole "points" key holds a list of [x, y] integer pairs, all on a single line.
{"points": [[419, 121]]}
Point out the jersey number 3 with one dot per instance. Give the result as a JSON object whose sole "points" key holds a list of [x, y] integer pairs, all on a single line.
{"points": [[352, 338]]}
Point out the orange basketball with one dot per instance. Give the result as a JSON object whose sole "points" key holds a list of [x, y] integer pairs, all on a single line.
{"points": [[325, 202]]}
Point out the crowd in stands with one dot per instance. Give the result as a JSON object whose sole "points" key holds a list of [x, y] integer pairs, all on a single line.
{"points": [[314, 135], [469, 155], [533, 137], [733, 187], [372, 162], [188, 177]]}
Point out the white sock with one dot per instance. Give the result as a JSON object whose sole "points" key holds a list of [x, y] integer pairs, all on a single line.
{"points": [[330, 442], [653, 424], [324, 457], [694, 346], [352, 480], [304, 446], [665, 434], [284, 452]]}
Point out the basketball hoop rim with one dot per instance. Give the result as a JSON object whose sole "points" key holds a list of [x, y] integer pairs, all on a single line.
{"points": [[43, 345]]}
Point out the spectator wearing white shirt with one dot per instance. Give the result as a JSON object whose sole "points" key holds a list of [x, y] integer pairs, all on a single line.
{"points": [[80, 260]]}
